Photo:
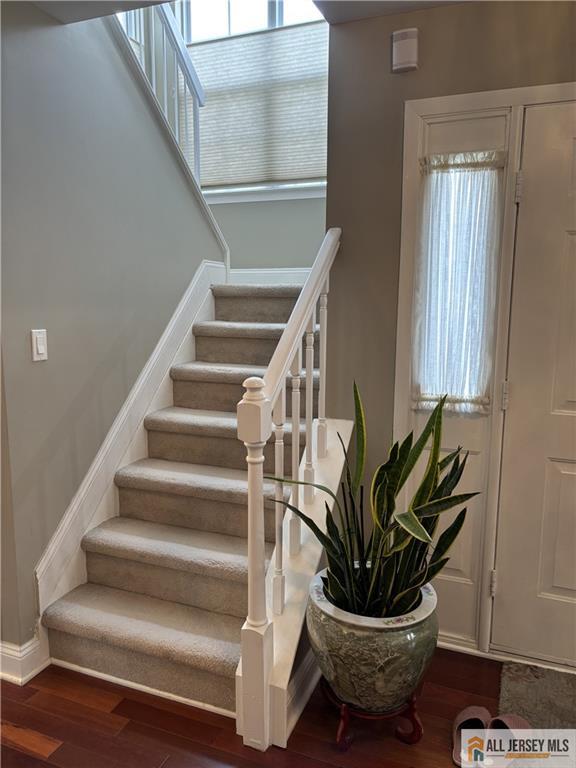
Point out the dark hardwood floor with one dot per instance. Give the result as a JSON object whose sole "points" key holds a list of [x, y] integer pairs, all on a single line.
{"points": [[62, 718]]}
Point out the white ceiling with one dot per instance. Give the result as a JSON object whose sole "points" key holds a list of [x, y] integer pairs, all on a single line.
{"points": [[338, 11]]}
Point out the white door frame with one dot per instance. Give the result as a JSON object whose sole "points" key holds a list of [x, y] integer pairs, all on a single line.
{"points": [[515, 100]]}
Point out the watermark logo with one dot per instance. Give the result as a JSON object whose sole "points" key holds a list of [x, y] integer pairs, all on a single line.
{"points": [[534, 748], [475, 750]]}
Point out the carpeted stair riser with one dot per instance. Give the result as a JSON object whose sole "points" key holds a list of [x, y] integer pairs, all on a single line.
{"points": [[189, 512], [210, 450], [222, 596], [230, 349], [255, 303], [217, 396], [158, 674], [255, 310]]}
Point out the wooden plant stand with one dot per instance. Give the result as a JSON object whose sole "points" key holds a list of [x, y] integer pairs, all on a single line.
{"points": [[344, 737]]}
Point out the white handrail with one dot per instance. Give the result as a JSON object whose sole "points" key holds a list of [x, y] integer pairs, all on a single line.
{"points": [[188, 70], [149, 85], [263, 408], [279, 365]]}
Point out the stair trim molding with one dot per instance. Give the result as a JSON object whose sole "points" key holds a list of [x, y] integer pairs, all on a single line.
{"points": [[20, 663], [63, 566]]}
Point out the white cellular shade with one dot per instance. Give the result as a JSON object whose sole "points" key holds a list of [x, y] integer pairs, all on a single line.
{"points": [[456, 276], [265, 118]]}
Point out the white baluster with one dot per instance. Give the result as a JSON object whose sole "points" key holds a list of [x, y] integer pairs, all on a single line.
{"points": [[165, 74], [278, 583], [176, 99], [254, 429], [294, 528], [186, 141], [152, 19], [322, 428], [196, 124], [309, 465]]}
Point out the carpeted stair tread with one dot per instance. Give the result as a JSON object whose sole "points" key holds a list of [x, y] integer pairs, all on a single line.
{"points": [[226, 373], [214, 555], [243, 330], [280, 291], [196, 480], [190, 636], [190, 421], [235, 330]]}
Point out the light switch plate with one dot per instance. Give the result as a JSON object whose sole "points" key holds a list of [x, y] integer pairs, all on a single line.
{"points": [[39, 344]]}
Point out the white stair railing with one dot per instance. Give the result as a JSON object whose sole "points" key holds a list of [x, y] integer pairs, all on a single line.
{"points": [[158, 44], [262, 410]]}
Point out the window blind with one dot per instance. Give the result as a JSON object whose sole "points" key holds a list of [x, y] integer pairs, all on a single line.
{"points": [[456, 277], [265, 117]]}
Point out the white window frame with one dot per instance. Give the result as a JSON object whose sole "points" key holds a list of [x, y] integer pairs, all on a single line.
{"points": [[417, 112], [275, 20]]}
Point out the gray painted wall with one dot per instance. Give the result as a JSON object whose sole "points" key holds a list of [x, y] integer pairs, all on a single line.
{"points": [[101, 236], [279, 233], [464, 47]]}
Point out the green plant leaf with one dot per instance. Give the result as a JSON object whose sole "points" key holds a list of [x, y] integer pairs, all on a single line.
{"points": [[430, 478], [378, 505], [318, 487], [441, 505], [419, 445], [449, 459], [336, 592], [324, 539], [435, 568], [451, 480], [360, 428], [447, 537], [412, 525], [401, 540], [383, 470]]}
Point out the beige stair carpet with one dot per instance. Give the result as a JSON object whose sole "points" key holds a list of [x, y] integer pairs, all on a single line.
{"points": [[167, 580]]}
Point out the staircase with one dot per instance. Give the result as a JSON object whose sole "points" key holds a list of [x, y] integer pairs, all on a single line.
{"points": [[166, 595]]}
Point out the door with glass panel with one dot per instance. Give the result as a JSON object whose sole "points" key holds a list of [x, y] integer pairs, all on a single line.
{"points": [[452, 223], [535, 598]]}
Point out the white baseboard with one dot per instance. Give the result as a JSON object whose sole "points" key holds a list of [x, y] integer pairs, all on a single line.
{"points": [[63, 566], [291, 275], [20, 663], [143, 688], [452, 643]]}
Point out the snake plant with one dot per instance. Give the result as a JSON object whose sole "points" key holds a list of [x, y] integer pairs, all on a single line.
{"points": [[379, 572]]}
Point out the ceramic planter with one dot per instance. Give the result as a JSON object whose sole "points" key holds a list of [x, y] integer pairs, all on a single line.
{"points": [[374, 664]]}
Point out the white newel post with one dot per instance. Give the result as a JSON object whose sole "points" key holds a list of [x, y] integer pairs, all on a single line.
{"points": [[323, 312], [254, 429], [309, 464], [279, 417], [294, 536]]}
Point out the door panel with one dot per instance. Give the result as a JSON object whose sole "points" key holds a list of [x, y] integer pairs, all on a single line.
{"points": [[459, 583], [535, 603]]}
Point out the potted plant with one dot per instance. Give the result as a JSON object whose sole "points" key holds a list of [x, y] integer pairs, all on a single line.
{"points": [[371, 614]]}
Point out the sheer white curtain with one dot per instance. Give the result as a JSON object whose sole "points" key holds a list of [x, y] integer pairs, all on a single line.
{"points": [[456, 276]]}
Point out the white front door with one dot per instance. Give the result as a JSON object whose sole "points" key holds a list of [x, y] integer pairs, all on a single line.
{"points": [[466, 132], [535, 601]]}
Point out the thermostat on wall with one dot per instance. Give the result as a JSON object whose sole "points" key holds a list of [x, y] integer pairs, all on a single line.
{"points": [[405, 50]]}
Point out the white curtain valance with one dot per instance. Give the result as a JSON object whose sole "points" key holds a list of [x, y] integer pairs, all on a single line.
{"points": [[456, 278], [265, 118], [465, 161]]}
